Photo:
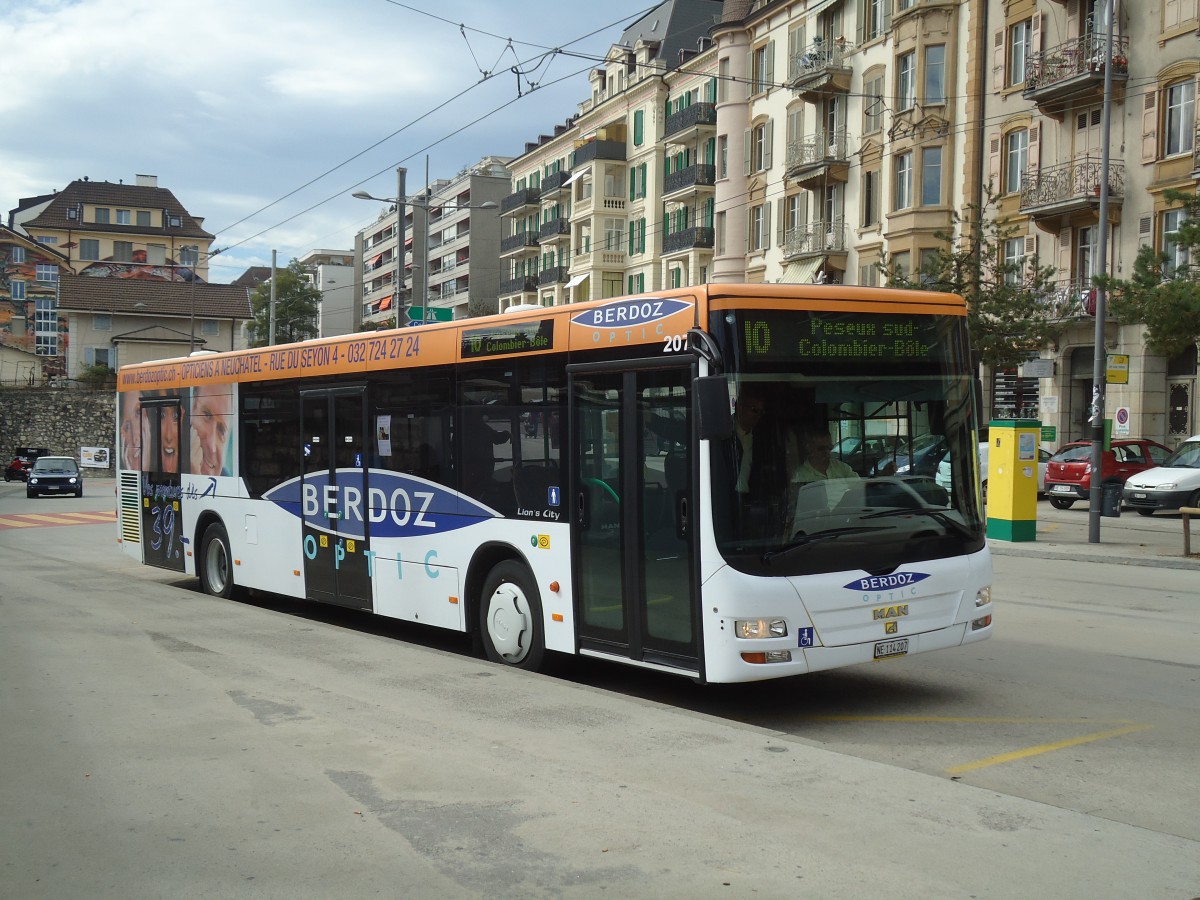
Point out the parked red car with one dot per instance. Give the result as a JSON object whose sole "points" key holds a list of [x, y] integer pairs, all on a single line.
{"points": [[1069, 473]]}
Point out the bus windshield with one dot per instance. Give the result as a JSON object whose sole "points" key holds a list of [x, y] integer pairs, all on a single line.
{"points": [[841, 422]]}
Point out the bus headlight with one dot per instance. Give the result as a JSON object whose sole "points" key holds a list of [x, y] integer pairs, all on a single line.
{"points": [[983, 597], [760, 628]]}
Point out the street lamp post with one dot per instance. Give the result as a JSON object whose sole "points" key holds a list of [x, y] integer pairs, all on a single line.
{"points": [[423, 202]]}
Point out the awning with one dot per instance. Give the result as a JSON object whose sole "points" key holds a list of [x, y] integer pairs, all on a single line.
{"points": [[578, 279], [407, 243], [802, 272], [374, 263], [578, 174], [386, 302]]}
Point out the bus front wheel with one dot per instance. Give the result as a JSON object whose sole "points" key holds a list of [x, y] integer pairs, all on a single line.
{"points": [[215, 570], [510, 617]]}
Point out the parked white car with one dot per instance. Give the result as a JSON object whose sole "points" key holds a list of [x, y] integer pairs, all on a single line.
{"points": [[943, 470], [1174, 484]]}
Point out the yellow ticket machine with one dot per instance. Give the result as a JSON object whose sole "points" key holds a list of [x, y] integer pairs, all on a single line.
{"points": [[1012, 479]]}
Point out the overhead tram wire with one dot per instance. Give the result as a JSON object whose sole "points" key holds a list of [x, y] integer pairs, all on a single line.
{"points": [[542, 59]]}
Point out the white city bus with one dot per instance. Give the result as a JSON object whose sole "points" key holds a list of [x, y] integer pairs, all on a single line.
{"points": [[578, 478]]}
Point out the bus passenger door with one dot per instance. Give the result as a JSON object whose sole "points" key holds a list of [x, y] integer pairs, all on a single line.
{"points": [[334, 497], [632, 513]]}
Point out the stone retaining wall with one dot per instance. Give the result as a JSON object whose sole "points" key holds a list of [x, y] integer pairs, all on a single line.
{"points": [[61, 419]]}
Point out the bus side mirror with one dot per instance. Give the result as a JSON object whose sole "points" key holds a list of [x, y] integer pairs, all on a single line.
{"points": [[712, 407]]}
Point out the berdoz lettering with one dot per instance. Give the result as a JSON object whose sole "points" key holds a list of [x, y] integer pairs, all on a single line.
{"points": [[886, 582]]}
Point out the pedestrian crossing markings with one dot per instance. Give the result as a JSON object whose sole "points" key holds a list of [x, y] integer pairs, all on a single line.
{"points": [[41, 520]]}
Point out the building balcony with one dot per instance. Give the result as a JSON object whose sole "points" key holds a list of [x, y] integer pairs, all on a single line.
{"points": [[820, 158], [523, 284], [698, 120], [1072, 74], [553, 275], [520, 200], [821, 68], [1073, 298], [689, 180], [555, 230], [515, 243], [593, 150], [815, 239], [553, 184], [696, 238], [1051, 196], [590, 260]]}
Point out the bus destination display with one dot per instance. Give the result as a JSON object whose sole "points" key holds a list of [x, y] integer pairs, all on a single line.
{"points": [[527, 337], [778, 336]]}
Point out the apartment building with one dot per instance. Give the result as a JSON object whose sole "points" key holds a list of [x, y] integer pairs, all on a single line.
{"points": [[332, 273], [448, 260], [128, 278], [1045, 114]]}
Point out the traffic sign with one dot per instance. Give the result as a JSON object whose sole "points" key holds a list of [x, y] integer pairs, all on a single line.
{"points": [[424, 314]]}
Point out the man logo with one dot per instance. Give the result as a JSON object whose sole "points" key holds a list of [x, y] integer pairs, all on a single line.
{"points": [[890, 612]]}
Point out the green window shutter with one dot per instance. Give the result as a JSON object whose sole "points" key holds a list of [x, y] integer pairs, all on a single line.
{"points": [[638, 127], [642, 235], [632, 233], [629, 285], [633, 183], [642, 182]]}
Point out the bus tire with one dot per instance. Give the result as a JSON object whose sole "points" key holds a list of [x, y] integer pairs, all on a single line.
{"points": [[510, 617], [215, 566]]}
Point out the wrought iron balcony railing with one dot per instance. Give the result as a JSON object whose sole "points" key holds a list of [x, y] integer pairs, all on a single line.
{"points": [[1078, 181], [816, 58], [814, 238], [1078, 56], [518, 240], [520, 199], [593, 150], [553, 275], [554, 229], [523, 284], [688, 239], [818, 149], [554, 183], [696, 114], [698, 175]]}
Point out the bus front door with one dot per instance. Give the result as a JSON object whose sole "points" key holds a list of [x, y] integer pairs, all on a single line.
{"points": [[632, 513], [334, 497]]}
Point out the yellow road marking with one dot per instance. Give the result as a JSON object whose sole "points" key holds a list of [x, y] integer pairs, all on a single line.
{"points": [[1044, 748], [17, 523], [57, 520]]}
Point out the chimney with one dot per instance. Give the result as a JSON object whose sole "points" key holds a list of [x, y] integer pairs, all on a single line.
{"points": [[147, 180]]}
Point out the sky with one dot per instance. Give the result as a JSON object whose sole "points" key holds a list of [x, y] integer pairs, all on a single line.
{"points": [[263, 116]]}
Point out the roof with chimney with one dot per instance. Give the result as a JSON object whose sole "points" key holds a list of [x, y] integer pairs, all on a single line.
{"points": [[145, 297], [57, 215]]}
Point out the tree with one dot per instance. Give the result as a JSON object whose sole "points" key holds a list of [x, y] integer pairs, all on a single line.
{"points": [[296, 304], [1163, 296], [1011, 310]]}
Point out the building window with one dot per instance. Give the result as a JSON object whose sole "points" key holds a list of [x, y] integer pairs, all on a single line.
{"points": [[762, 65], [614, 234], [906, 81], [210, 327], [47, 273], [874, 19], [98, 356], [89, 248], [610, 284], [124, 217], [101, 322], [723, 79], [870, 195], [759, 227], [102, 214], [122, 251], [793, 214], [758, 147], [1176, 254], [45, 325], [1019, 37], [1016, 159], [935, 74], [18, 254], [48, 240], [719, 235], [931, 176], [143, 218], [156, 254], [1014, 256], [873, 105], [18, 290], [723, 156], [904, 177], [901, 264], [1180, 117], [188, 256]]}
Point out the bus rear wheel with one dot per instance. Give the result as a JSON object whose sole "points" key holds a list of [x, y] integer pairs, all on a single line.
{"points": [[215, 569], [510, 617]]}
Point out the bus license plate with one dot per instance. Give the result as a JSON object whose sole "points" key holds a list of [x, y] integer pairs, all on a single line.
{"points": [[887, 649]]}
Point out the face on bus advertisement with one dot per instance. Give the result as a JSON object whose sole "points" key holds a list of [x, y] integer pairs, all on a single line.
{"points": [[211, 410], [168, 438], [131, 437]]}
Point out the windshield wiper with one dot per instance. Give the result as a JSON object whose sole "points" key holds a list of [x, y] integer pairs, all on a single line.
{"points": [[809, 540], [937, 515]]}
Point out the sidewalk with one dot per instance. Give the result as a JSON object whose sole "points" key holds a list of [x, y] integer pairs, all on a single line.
{"points": [[1129, 540]]}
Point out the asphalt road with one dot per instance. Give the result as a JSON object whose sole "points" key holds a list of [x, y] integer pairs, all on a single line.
{"points": [[160, 743]]}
